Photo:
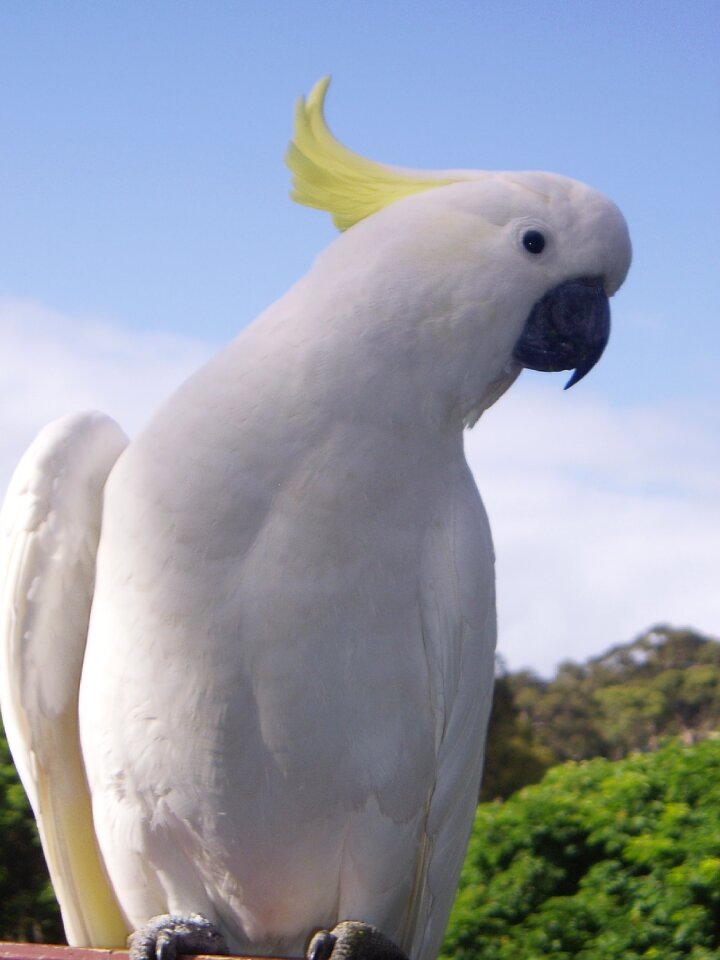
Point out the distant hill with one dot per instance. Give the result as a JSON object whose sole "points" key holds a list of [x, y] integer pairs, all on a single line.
{"points": [[664, 683]]}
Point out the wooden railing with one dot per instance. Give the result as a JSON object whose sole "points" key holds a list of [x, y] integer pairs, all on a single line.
{"points": [[46, 951], [42, 951]]}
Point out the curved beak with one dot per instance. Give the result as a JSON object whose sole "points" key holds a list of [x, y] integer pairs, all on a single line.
{"points": [[567, 329]]}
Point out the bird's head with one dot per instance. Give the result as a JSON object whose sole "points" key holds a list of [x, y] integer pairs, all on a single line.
{"points": [[522, 263]]}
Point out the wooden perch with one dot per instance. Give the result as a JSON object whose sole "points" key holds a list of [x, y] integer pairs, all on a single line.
{"points": [[46, 951]]}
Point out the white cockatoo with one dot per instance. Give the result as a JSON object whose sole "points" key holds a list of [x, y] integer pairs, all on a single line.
{"points": [[247, 658]]}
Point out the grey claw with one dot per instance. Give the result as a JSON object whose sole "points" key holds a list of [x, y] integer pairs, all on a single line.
{"points": [[353, 940], [321, 946], [168, 936]]}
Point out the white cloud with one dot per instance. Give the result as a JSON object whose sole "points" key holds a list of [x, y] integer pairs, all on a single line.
{"points": [[606, 521], [51, 365]]}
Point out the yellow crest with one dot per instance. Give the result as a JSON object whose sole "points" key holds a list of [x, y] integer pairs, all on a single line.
{"points": [[328, 176]]}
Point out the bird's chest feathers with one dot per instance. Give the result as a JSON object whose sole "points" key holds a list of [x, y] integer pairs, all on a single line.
{"points": [[303, 586]]}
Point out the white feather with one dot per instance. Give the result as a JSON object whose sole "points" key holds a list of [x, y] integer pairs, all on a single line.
{"points": [[49, 529], [289, 664]]}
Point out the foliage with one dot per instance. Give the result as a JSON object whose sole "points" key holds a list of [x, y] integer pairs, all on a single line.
{"points": [[667, 682], [513, 756], [600, 861], [28, 910]]}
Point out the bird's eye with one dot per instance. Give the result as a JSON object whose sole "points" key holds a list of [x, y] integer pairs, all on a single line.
{"points": [[533, 241]]}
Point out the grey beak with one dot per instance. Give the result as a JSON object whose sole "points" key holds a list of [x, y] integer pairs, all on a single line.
{"points": [[567, 329]]}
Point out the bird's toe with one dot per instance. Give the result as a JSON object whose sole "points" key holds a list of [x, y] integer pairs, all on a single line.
{"points": [[353, 940], [169, 936]]}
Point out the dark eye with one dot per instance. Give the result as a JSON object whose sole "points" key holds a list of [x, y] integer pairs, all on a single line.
{"points": [[533, 241]]}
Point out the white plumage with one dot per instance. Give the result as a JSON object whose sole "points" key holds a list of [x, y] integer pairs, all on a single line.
{"points": [[289, 662]]}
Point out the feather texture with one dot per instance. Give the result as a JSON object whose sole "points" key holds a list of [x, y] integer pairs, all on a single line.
{"points": [[50, 525], [328, 176], [290, 614]]}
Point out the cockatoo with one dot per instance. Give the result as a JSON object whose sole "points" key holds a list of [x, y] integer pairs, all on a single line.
{"points": [[247, 658]]}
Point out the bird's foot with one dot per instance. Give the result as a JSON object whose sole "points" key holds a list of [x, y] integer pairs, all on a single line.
{"points": [[169, 936], [352, 940]]}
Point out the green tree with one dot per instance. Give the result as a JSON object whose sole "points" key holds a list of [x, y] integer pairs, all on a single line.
{"points": [[561, 712], [664, 683], [28, 909], [601, 861], [631, 716], [513, 757]]}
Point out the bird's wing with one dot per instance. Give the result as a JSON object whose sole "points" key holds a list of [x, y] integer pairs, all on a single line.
{"points": [[49, 531], [459, 628]]}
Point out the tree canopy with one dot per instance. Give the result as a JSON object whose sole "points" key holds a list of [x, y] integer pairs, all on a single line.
{"points": [[601, 861], [28, 909], [664, 683]]}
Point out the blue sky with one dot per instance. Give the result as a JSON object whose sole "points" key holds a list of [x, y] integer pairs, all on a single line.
{"points": [[145, 219]]}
